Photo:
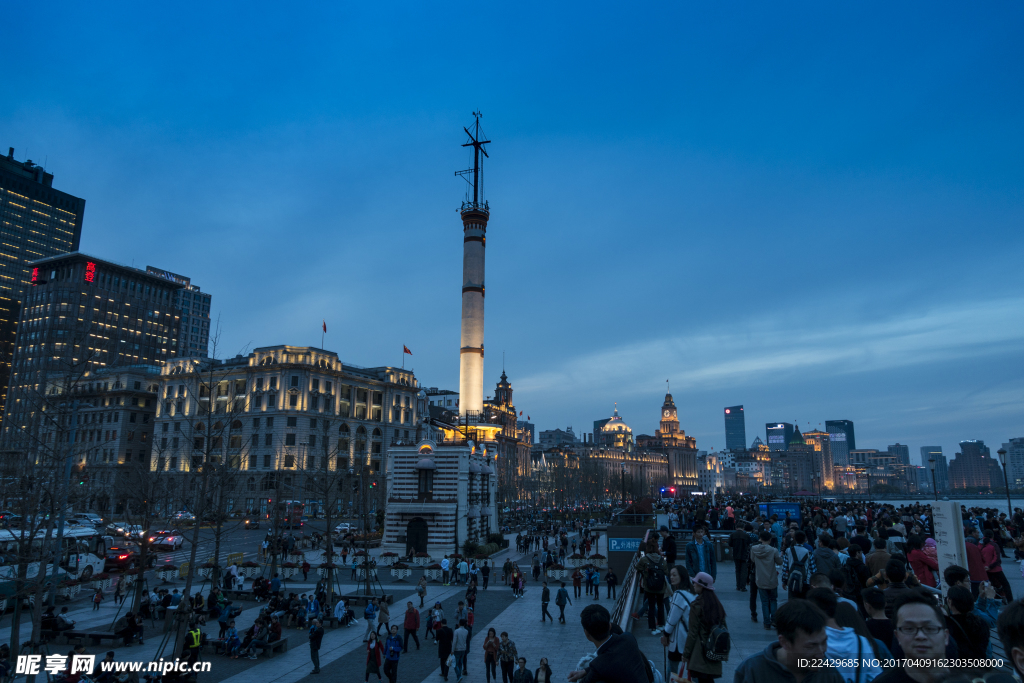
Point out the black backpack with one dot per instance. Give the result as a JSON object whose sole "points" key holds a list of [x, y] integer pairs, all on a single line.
{"points": [[655, 579], [716, 648], [797, 572]]}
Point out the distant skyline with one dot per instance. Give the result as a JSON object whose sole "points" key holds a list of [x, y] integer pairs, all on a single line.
{"points": [[810, 210]]}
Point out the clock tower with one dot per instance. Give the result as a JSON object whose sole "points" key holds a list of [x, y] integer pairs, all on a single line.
{"points": [[669, 417]]}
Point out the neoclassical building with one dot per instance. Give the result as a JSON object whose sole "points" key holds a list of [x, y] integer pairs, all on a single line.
{"points": [[679, 449]]}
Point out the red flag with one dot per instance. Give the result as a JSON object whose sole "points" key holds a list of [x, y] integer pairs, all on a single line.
{"points": [[405, 349], [527, 417], [325, 326], [520, 413]]}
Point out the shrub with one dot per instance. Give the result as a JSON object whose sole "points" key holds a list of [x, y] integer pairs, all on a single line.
{"points": [[470, 548], [495, 538]]}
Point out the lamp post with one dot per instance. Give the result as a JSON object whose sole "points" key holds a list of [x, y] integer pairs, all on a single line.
{"points": [[1006, 481], [623, 483], [935, 486]]}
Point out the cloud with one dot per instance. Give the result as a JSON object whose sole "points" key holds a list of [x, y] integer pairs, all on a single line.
{"points": [[764, 352]]}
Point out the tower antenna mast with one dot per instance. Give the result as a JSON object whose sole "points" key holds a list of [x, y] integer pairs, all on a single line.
{"points": [[478, 148]]}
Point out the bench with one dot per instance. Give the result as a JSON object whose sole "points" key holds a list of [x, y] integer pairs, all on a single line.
{"points": [[96, 637], [279, 644], [239, 594]]}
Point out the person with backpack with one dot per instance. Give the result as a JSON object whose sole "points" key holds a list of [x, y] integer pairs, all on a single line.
{"points": [[561, 599], [700, 554], [707, 638], [392, 653], [653, 581], [825, 558], [797, 567], [678, 620]]}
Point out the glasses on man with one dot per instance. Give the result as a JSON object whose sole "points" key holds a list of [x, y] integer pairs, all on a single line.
{"points": [[913, 630]]}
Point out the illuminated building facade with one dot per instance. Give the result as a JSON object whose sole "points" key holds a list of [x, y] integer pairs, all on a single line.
{"points": [[194, 307], [1015, 462], [778, 435], [679, 449], [941, 469], [823, 464], [82, 314], [36, 221], [973, 467], [843, 440]]}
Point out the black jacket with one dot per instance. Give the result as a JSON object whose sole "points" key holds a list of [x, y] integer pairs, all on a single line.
{"points": [[445, 636], [316, 635], [668, 546], [739, 541], [618, 660]]}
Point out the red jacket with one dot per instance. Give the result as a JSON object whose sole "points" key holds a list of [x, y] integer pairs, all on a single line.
{"points": [[923, 566], [376, 652], [412, 619], [975, 562], [990, 555]]}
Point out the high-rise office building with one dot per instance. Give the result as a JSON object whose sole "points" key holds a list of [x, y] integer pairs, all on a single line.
{"points": [[194, 305], [779, 434], [901, 452], [735, 429], [98, 314], [1015, 462], [841, 435], [941, 467], [973, 467], [36, 221]]}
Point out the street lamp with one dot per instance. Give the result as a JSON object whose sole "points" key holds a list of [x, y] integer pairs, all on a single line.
{"points": [[935, 486], [623, 483], [1006, 481]]}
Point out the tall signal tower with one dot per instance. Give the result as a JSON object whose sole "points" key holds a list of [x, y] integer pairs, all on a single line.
{"points": [[475, 213]]}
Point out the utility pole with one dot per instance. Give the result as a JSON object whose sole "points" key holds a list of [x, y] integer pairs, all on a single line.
{"points": [[69, 457]]}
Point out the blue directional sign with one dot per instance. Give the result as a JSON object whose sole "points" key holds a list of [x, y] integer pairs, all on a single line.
{"points": [[626, 545]]}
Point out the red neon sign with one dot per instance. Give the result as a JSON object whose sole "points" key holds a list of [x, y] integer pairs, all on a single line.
{"points": [[90, 271], [35, 275]]}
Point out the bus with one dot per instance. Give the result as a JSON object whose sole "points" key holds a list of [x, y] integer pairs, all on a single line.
{"points": [[291, 516], [82, 553]]}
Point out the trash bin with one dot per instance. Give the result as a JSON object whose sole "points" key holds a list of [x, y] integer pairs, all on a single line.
{"points": [[726, 549], [718, 549]]}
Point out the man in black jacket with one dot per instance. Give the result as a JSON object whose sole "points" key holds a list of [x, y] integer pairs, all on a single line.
{"points": [[316, 636], [668, 546], [618, 659], [739, 541], [445, 636]]}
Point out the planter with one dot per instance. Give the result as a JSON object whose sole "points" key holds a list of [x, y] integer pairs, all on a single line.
{"points": [[322, 571], [97, 584], [434, 574], [421, 561], [68, 592], [205, 572], [569, 562], [167, 574], [387, 559], [361, 573], [401, 574], [557, 573], [288, 572], [250, 572], [600, 563]]}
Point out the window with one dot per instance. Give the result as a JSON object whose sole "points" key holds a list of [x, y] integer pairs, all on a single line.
{"points": [[271, 401], [273, 383], [130, 436], [295, 381], [255, 423], [259, 384], [315, 385], [138, 386], [289, 439], [293, 400], [235, 442], [165, 426], [312, 441], [312, 423], [239, 387], [266, 460], [163, 442], [252, 466], [145, 418], [174, 463], [180, 407], [256, 402], [174, 442], [314, 403], [132, 417], [198, 443], [289, 460], [328, 389], [293, 421], [426, 482]]}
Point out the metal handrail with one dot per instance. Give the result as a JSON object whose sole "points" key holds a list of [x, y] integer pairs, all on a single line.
{"points": [[622, 614]]}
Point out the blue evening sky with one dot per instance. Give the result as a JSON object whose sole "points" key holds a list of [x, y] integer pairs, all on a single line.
{"points": [[813, 209]]}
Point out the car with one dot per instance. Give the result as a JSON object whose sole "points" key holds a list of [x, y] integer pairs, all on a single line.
{"points": [[121, 557], [183, 517], [125, 530], [252, 523], [343, 528], [166, 538], [89, 518]]}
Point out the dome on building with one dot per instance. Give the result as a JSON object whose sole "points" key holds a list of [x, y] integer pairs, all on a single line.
{"points": [[474, 468], [797, 439], [615, 424], [486, 469], [426, 464]]}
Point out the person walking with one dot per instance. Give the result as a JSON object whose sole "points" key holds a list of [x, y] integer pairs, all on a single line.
{"points": [[543, 672], [577, 583], [561, 599], [392, 652], [507, 656], [97, 598], [411, 625], [421, 589], [316, 637], [798, 566], [545, 598], [739, 541], [596, 580], [485, 573], [374, 657], [522, 674], [460, 648], [370, 614], [706, 613], [677, 623], [668, 545], [445, 638], [653, 581], [765, 559], [445, 570], [491, 647], [700, 554], [612, 580], [383, 617], [994, 567], [434, 621]]}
